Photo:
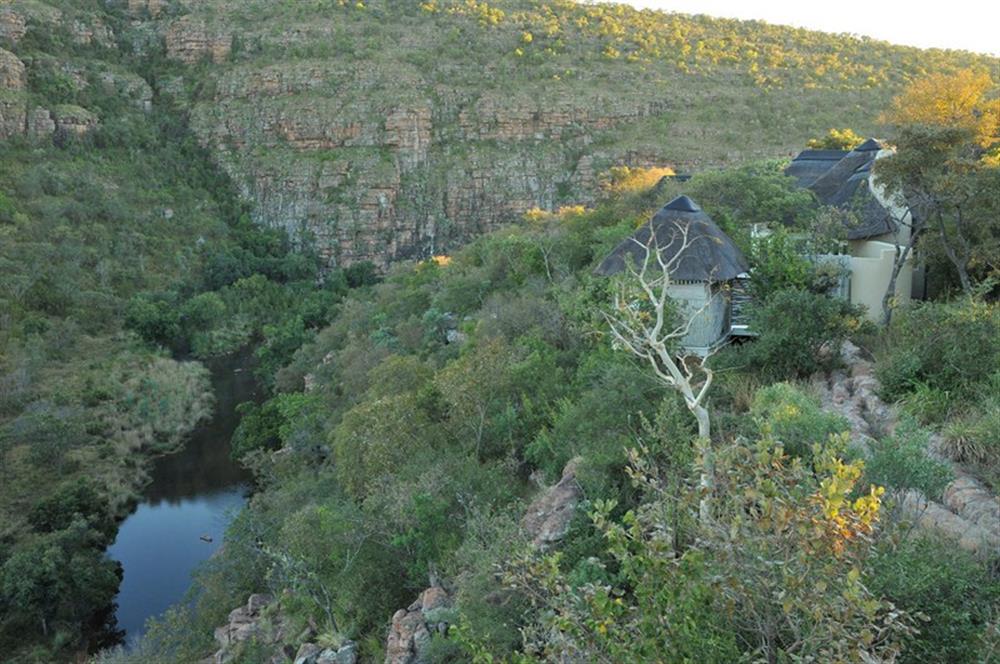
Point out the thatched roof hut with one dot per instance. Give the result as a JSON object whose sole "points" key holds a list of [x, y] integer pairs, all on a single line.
{"points": [[681, 230], [841, 179]]}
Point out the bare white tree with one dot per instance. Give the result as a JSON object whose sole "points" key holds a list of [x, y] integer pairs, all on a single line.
{"points": [[645, 321]]}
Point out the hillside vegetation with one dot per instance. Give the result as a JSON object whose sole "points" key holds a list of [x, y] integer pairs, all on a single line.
{"points": [[406, 445], [183, 180]]}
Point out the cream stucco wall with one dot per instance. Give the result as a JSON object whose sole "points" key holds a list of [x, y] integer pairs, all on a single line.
{"points": [[872, 260], [871, 269]]}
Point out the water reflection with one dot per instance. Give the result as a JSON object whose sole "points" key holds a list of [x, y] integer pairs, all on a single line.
{"points": [[186, 508]]}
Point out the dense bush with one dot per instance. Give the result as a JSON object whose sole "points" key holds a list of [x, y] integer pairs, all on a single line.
{"points": [[794, 419], [953, 590], [950, 347], [780, 579], [799, 333], [901, 462]]}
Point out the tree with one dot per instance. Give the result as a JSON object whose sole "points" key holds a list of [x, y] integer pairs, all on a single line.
{"points": [[479, 388], [61, 576], [947, 188], [945, 169], [956, 100], [645, 321], [757, 194]]}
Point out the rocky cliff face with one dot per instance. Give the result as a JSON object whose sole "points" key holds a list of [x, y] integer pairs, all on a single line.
{"points": [[387, 180], [23, 24]]}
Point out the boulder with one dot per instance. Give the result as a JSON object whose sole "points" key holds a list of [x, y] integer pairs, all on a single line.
{"points": [[548, 517], [346, 654], [413, 627], [308, 653], [243, 624]]}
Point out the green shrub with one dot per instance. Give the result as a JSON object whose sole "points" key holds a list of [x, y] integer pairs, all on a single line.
{"points": [[799, 333], [929, 405], [952, 588], [900, 462], [794, 418], [778, 264], [154, 319], [975, 438], [951, 347]]}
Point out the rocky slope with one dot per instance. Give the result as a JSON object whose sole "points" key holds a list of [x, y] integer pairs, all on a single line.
{"points": [[391, 129], [968, 512]]}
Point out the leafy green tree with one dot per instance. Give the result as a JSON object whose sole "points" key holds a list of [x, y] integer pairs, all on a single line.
{"points": [[377, 437], [60, 577], [270, 425], [79, 499], [949, 186], [156, 320], [281, 340], [478, 389], [759, 194], [946, 166]]}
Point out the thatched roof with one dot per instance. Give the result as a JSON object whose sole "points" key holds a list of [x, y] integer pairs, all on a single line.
{"points": [[707, 255], [840, 179], [810, 165]]}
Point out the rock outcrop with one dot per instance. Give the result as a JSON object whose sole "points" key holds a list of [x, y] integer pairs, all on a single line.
{"points": [[244, 625], [145, 8], [191, 40], [40, 123], [74, 120], [12, 76], [968, 512], [413, 627], [12, 25], [548, 518], [12, 117], [260, 621]]}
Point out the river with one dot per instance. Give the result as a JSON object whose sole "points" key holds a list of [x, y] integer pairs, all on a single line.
{"points": [[184, 511]]}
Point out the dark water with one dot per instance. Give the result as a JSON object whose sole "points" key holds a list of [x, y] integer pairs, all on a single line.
{"points": [[193, 495]]}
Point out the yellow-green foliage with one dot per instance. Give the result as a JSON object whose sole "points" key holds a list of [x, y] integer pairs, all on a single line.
{"points": [[837, 139], [770, 55]]}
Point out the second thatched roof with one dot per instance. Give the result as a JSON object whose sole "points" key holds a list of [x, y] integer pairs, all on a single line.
{"points": [[707, 254]]}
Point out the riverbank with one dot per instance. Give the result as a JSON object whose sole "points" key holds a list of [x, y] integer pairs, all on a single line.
{"points": [[175, 497], [181, 518]]}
